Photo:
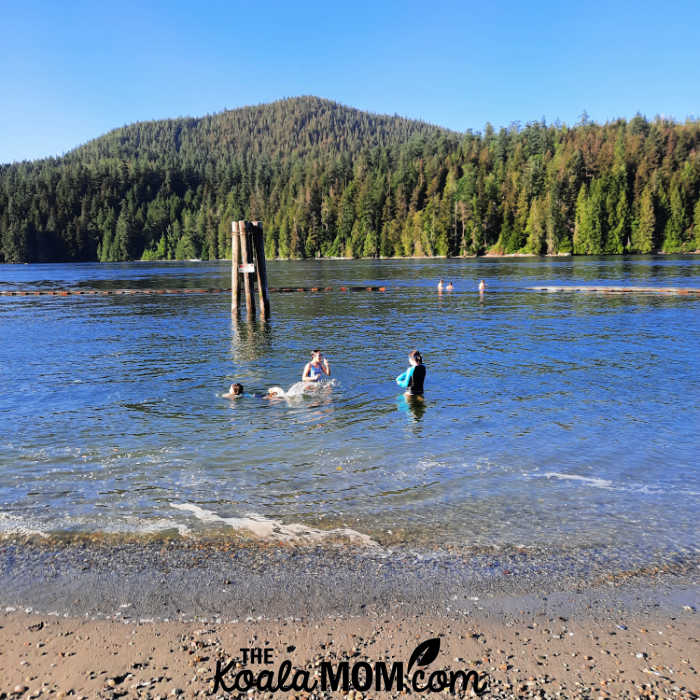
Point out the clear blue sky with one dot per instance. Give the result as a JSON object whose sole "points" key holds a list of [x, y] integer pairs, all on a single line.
{"points": [[73, 70]]}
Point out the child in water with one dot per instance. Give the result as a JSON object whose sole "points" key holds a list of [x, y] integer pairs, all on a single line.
{"points": [[412, 379], [314, 370], [235, 391]]}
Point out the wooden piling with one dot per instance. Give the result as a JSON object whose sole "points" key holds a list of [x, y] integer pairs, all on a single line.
{"points": [[261, 268], [235, 257], [246, 259]]}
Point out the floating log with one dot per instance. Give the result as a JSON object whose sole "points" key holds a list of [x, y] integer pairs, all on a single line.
{"points": [[619, 290], [125, 292]]}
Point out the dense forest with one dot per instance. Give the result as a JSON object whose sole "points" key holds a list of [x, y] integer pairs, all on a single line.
{"points": [[328, 180]]}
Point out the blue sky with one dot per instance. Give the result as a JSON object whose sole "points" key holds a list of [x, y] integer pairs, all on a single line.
{"points": [[72, 71]]}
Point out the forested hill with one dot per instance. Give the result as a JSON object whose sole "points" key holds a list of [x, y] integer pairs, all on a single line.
{"points": [[305, 127], [328, 180]]}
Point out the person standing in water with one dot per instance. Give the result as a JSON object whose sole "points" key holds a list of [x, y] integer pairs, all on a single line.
{"points": [[441, 285], [314, 370], [482, 287], [412, 379]]}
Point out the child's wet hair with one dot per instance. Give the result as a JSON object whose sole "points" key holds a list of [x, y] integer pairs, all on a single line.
{"points": [[416, 356]]}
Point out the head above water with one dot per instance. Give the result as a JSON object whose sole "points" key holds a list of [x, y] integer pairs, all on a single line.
{"points": [[415, 358], [316, 355], [236, 389]]}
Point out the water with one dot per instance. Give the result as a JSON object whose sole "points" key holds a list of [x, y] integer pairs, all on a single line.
{"points": [[561, 421]]}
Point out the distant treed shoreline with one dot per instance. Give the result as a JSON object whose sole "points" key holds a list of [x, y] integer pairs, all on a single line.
{"points": [[330, 181]]}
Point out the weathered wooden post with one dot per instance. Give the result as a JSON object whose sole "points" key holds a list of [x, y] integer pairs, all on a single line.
{"points": [[246, 264], [248, 258], [235, 257], [261, 268]]}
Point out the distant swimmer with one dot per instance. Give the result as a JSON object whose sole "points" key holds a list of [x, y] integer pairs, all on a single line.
{"points": [[482, 287], [441, 285], [235, 391], [412, 379], [449, 287], [314, 370]]}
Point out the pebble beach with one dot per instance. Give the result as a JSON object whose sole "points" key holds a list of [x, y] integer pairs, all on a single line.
{"points": [[152, 619]]}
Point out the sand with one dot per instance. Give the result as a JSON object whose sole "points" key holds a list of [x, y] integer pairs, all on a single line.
{"points": [[151, 619], [538, 656]]}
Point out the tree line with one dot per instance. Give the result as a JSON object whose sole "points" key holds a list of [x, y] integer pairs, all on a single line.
{"points": [[328, 180]]}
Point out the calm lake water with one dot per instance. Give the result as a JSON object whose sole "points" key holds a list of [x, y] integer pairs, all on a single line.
{"points": [[564, 421]]}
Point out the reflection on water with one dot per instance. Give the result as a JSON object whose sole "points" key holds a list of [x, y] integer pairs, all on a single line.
{"points": [[549, 419], [412, 405], [250, 338]]}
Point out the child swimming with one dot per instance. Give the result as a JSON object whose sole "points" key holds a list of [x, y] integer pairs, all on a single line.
{"points": [[235, 391], [412, 379]]}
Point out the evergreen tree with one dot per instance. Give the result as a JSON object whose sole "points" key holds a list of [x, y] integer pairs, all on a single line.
{"points": [[536, 228], [675, 233], [186, 248], [371, 246], [620, 226], [582, 226], [696, 225], [644, 226]]}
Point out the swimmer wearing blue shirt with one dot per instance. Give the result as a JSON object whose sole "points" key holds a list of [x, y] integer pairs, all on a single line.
{"points": [[314, 370], [412, 379]]}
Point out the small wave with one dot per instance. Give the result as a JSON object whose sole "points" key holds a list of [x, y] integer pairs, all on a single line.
{"points": [[149, 527], [299, 389], [266, 528], [598, 482], [593, 481], [12, 525]]}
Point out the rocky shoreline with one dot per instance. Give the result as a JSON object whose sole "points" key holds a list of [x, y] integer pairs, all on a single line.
{"points": [[187, 579]]}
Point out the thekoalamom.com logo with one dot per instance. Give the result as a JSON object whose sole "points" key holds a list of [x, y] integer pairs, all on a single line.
{"points": [[343, 676]]}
